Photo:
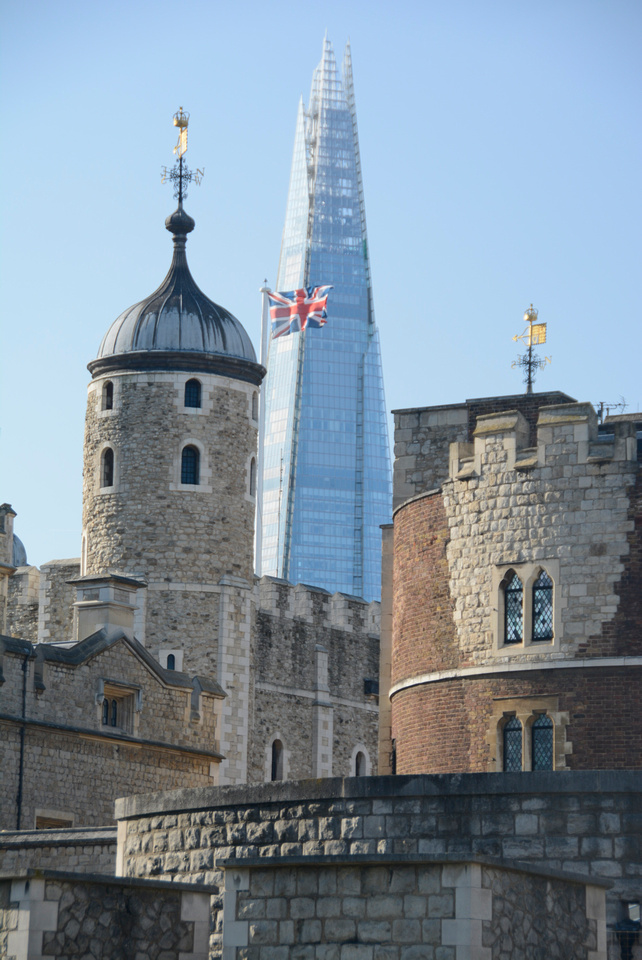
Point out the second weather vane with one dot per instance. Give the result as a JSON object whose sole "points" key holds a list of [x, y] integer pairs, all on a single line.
{"points": [[180, 174]]}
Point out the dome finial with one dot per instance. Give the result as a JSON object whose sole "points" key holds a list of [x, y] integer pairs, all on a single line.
{"points": [[180, 223]]}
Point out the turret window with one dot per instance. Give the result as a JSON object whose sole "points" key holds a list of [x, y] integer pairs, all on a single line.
{"points": [[252, 477], [108, 395], [171, 661], [255, 406], [193, 393], [107, 468], [190, 466], [513, 612]]}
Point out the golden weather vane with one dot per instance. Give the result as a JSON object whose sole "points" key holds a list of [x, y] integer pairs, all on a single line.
{"points": [[534, 334], [180, 174]]}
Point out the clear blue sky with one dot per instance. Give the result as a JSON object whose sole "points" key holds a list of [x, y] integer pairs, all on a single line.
{"points": [[501, 150]]}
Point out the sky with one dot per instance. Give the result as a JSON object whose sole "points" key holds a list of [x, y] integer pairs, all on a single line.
{"points": [[500, 146]]}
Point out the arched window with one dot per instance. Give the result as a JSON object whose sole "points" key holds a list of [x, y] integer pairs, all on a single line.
{"points": [[190, 465], [255, 406], [360, 764], [513, 609], [114, 713], [171, 661], [542, 743], [252, 477], [105, 712], [512, 735], [543, 608], [277, 760], [193, 393], [107, 468], [108, 396]]}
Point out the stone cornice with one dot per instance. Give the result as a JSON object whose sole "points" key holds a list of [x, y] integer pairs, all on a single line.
{"points": [[236, 368], [518, 667]]}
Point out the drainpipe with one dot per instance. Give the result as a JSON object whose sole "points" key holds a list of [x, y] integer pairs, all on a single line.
{"points": [[25, 668]]}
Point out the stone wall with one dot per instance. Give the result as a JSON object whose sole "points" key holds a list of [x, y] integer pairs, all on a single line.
{"points": [[78, 849], [56, 602], [60, 915], [586, 823], [311, 655], [23, 589], [404, 910]]}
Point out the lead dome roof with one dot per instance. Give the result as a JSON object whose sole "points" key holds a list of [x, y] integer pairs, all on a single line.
{"points": [[177, 326]]}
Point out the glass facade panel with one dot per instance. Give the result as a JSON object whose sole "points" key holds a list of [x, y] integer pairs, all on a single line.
{"points": [[326, 474]]}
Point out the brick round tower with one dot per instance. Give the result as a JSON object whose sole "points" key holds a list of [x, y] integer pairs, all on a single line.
{"points": [[169, 461], [516, 641]]}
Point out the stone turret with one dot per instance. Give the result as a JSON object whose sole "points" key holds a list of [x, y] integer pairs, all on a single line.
{"points": [[169, 464]]}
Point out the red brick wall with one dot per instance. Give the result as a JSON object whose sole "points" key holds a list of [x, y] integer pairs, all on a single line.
{"points": [[423, 630], [443, 727]]}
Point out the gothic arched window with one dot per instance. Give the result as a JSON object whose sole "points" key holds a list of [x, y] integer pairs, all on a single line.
{"points": [[107, 468], [190, 465], [512, 736], [171, 661], [360, 764], [543, 607], [277, 760], [542, 743], [513, 608], [193, 393]]}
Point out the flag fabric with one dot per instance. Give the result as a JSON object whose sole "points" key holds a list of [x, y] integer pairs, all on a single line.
{"points": [[297, 309]]}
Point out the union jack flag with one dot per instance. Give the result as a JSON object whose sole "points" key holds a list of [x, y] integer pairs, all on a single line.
{"points": [[297, 309]]}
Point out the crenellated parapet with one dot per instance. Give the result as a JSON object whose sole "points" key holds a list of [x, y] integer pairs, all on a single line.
{"points": [[567, 436], [317, 606]]}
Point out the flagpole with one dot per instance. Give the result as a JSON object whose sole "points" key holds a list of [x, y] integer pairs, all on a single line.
{"points": [[265, 329]]}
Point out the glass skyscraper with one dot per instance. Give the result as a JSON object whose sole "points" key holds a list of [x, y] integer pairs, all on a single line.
{"points": [[326, 475]]}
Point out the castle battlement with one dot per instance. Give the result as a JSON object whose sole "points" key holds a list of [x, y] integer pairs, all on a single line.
{"points": [[566, 436], [314, 605]]}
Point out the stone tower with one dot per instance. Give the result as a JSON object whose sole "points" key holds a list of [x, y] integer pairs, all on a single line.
{"points": [[169, 468]]}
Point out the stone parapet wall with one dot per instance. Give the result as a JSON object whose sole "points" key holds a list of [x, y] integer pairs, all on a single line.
{"points": [[586, 823], [404, 910], [23, 589], [55, 914], [79, 849]]}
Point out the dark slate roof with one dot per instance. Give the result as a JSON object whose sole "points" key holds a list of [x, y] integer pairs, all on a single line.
{"points": [[177, 317]]}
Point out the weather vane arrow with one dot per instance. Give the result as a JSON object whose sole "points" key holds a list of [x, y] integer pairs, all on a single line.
{"points": [[180, 174]]}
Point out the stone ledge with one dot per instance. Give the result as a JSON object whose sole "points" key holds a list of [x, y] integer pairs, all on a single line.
{"points": [[411, 859], [68, 837], [84, 878], [335, 789]]}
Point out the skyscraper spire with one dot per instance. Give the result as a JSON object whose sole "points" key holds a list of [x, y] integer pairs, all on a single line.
{"points": [[327, 469]]}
